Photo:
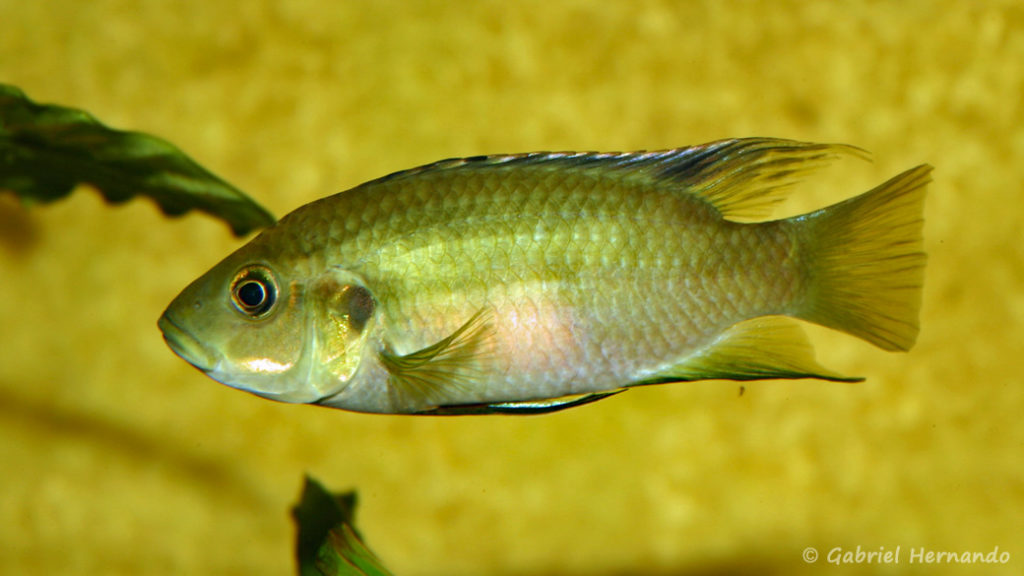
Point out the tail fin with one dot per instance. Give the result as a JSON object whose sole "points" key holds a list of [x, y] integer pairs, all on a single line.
{"points": [[866, 264]]}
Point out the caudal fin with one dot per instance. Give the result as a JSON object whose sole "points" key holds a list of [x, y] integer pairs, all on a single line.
{"points": [[865, 262]]}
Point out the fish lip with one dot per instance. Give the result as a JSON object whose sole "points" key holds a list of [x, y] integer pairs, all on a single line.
{"points": [[185, 344]]}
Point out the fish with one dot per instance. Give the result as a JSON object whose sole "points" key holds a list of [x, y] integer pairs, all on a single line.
{"points": [[532, 283]]}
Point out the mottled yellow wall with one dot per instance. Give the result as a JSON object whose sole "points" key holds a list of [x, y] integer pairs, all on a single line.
{"points": [[116, 457]]}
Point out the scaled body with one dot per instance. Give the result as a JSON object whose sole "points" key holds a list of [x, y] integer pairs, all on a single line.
{"points": [[481, 282]]}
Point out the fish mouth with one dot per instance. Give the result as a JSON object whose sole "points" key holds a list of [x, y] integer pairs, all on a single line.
{"points": [[185, 344]]}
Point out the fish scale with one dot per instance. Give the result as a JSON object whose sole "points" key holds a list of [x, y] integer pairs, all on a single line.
{"points": [[494, 283], [425, 284], [431, 296]]}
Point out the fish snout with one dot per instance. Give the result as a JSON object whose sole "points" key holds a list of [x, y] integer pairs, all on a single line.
{"points": [[186, 345]]}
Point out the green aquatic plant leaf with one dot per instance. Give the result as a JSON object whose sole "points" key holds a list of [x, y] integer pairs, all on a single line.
{"points": [[328, 543], [47, 150]]}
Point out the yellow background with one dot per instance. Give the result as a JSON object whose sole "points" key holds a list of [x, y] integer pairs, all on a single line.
{"points": [[118, 458]]}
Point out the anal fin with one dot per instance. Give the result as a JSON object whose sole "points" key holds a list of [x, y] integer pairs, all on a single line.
{"points": [[763, 348]]}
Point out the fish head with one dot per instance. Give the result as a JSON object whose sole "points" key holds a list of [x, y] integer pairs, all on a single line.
{"points": [[269, 328]]}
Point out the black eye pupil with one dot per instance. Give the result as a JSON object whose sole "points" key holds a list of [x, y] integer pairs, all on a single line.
{"points": [[251, 294], [254, 291]]}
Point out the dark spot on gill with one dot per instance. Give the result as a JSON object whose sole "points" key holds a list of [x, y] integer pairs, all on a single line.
{"points": [[360, 307]]}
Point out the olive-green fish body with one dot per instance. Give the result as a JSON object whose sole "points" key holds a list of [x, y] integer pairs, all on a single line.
{"points": [[506, 283]]}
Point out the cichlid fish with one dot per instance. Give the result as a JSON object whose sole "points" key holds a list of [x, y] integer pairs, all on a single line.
{"points": [[535, 282]]}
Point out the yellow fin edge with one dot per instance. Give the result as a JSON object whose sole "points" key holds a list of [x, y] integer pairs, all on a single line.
{"points": [[768, 347]]}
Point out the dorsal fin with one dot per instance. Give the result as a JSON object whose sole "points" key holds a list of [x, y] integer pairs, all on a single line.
{"points": [[743, 178]]}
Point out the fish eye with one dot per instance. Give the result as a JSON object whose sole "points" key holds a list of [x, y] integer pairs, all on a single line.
{"points": [[253, 291]]}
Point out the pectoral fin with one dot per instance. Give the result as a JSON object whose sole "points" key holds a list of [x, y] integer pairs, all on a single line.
{"points": [[528, 408], [759, 349], [428, 376]]}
